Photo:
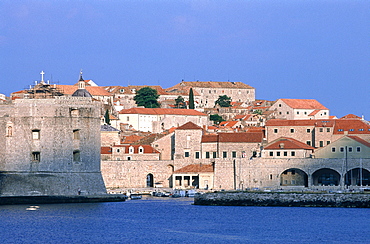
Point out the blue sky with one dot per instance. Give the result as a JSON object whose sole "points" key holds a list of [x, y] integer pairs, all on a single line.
{"points": [[285, 49]]}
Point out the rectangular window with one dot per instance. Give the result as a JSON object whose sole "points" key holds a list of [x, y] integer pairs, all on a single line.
{"points": [[214, 154], [234, 154], [207, 154], [224, 154], [76, 156], [358, 149], [292, 153], [350, 149], [321, 143], [118, 150], [308, 143], [297, 112], [128, 118], [36, 134], [187, 154], [333, 149], [36, 156], [278, 154], [291, 130], [197, 155], [128, 158], [285, 154], [327, 129], [293, 172], [327, 142], [76, 134], [341, 149], [271, 154], [308, 130], [275, 130]]}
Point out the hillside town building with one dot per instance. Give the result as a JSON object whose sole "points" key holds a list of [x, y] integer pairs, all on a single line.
{"points": [[294, 109]]}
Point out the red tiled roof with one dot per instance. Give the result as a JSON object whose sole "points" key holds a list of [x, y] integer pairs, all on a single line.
{"points": [[196, 168], [228, 123], [93, 90], [189, 126], [105, 150], [303, 103], [234, 137], [131, 139], [162, 111], [287, 143], [314, 112], [215, 84], [350, 116]]}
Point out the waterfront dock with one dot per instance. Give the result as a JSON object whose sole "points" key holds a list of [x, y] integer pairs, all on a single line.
{"points": [[291, 199], [11, 200]]}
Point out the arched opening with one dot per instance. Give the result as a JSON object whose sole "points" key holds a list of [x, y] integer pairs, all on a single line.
{"points": [[170, 169], [149, 180], [357, 177], [294, 177], [326, 177]]}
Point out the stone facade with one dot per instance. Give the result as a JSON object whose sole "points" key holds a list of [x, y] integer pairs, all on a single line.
{"points": [[50, 147]]}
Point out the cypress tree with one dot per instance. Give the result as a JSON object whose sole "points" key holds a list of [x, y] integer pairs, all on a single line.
{"points": [[106, 117], [191, 99]]}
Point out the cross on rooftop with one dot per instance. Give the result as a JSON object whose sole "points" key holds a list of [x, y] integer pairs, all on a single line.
{"points": [[42, 75]]}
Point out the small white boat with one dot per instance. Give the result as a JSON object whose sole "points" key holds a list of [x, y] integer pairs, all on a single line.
{"points": [[33, 208], [135, 197]]}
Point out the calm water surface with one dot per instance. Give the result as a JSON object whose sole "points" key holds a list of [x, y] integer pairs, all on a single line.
{"points": [[166, 220]]}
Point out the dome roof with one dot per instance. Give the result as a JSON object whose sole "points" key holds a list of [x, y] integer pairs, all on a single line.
{"points": [[81, 93]]}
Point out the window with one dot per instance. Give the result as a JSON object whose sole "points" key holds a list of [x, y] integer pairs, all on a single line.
{"points": [[287, 112], [327, 129], [214, 154], [293, 172], [131, 150], [280, 105], [361, 129], [291, 130], [305, 112], [271, 154], [129, 158], [340, 129], [308, 143], [333, 149], [358, 149], [275, 130], [187, 154], [234, 154], [76, 156], [76, 134], [321, 143], [292, 153], [197, 155], [128, 118], [308, 130], [9, 130], [341, 149], [118, 150], [224, 154], [285, 154], [270, 176], [279, 112], [350, 149], [36, 134], [36, 156], [207, 154], [297, 112], [141, 150], [321, 129], [351, 129], [278, 154], [327, 142]]}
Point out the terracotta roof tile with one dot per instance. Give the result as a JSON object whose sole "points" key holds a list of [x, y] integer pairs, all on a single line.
{"points": [[350, 116], [303, 103], [189, 126], [215, 84], [162, 111], [287, 143], [196, 168], [147, 148], [105, 150]]}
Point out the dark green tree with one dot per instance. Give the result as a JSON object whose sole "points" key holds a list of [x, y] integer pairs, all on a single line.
{"points": [[191, 99], [258, 111], [106, 117], [180, 102], [224, 101], [147, 97], [217, 119]]}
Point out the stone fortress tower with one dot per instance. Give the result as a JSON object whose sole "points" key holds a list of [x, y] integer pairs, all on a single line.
{"points": [[50, 147]]}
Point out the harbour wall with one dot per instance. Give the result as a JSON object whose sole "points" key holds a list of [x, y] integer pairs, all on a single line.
{"points": [[349, 200]]}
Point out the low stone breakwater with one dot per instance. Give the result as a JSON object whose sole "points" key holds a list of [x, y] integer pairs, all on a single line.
{"points": [[348, 200]]}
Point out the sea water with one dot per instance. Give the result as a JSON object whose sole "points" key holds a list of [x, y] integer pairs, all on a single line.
{"points": [[168, 220]]}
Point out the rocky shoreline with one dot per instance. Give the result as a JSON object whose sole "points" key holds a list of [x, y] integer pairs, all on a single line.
{"points": [[11, 200], [347, 200]]}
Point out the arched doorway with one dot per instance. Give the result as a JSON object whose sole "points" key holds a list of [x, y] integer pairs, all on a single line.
{"points": [[357, 177], [326, 177], [149, 180], [170, 169], [294, 177]]}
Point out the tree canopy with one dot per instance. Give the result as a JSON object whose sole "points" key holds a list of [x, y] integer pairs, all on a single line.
{"points": [[180, 102], [223, 101], [216, 118], [191, 99], [106, 117], [147, 97]]}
